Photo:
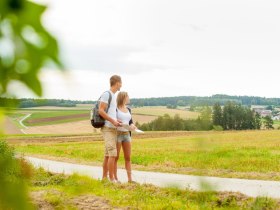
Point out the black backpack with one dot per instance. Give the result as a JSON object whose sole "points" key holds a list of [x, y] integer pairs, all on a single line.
{"points": [[96, 120]]}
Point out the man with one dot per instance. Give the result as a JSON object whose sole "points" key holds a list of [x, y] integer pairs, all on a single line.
{"points": [[109, 130]]}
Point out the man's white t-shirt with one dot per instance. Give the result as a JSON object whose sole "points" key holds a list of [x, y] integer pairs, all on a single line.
{"points": [[112, 109]]}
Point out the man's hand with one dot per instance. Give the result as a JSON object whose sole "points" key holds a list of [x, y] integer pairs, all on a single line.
{"points": [[117, 123]]}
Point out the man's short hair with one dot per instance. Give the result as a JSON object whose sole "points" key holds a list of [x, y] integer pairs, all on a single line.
{"points": [[114, 79]]}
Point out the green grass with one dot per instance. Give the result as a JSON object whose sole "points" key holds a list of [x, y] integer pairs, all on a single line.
{"points": [[276, 124], [138, 196], [242, 154]]}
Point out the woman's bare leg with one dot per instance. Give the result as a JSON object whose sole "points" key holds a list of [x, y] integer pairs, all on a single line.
{"points": [[119, 145], [127, 153]]}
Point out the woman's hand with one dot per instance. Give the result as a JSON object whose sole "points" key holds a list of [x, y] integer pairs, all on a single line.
{"points": [[133, 127]]}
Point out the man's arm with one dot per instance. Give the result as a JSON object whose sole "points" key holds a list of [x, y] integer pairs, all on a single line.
{"points": [[102, 113]]}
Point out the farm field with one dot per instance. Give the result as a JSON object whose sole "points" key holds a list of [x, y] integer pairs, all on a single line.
{"points": [[161, 110], [48, 120], [55, 117], [240, 154]]}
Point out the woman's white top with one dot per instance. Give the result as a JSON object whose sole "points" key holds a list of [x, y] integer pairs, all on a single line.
{"points": [[125, 117]]}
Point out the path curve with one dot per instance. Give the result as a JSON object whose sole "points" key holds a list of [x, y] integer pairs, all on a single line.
{"points": [[253, 188], [21, 123], [22, 119]]}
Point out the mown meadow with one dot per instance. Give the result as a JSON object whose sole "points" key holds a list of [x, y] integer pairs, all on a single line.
{"points": [[242, 154]]}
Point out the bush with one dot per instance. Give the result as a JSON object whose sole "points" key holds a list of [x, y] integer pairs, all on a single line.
{"points": [[217, 128], [14, 174]]}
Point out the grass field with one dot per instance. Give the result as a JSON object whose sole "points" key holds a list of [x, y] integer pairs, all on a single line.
{"points": [[242, 154], [276, 124], [80, 192]]}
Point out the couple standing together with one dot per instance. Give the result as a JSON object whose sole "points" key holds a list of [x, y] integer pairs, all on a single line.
{"points": [[116, 113]]}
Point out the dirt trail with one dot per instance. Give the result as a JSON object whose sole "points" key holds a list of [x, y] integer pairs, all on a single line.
{"points": [[10, 127]]}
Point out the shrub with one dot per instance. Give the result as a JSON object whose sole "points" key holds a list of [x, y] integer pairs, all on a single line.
{"points": [[217, 128], [14, 174]]}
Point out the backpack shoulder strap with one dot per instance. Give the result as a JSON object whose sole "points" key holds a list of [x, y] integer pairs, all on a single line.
{"points": [[110, 100], [130, 121]]}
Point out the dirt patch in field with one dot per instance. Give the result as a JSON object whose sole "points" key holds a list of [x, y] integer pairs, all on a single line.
{"points": [[143, 118], [79, 127], [85, 202], [51, 119], [10, 128], [39, 201], [93, 203], [226, 198]]}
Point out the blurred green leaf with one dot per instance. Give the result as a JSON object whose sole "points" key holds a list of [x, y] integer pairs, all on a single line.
{"points": [[29, 46], [25, 47]]}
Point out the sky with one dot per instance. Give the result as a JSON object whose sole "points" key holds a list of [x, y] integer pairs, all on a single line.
{"points": [[163, 48]]}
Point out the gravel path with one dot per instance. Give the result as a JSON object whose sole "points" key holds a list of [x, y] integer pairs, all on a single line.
{"points": [[253, 188]]}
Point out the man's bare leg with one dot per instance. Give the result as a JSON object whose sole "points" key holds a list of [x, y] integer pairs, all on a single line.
{"points": [[111, 167], [105, 168]]}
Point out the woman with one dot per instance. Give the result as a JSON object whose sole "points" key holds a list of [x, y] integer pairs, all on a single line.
{"points": [[124, 135]]}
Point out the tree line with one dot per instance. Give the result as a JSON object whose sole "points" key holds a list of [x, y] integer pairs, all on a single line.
{"points": [[231, 116], [205, 101], [27, 102], [170, 102]]}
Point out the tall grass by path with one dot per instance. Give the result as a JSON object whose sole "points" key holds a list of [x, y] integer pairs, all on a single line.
{"points": [[137, 196], [243, 154]]}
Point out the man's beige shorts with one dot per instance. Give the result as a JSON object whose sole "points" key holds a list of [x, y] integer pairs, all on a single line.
{"points": [[110, 140]]}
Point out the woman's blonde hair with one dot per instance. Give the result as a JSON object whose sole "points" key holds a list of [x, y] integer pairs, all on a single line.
{"points": [[121, 98]]}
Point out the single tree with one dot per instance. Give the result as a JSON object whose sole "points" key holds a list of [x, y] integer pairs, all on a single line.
{"points": [[268, 122], [217, 115]]}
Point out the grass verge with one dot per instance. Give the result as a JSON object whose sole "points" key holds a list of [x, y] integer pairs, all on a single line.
{"points": [[76, 192]]}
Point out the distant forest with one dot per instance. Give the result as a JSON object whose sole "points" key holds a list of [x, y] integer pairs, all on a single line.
{"points": [[27, 102], [164, 101], [205, 101]]}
